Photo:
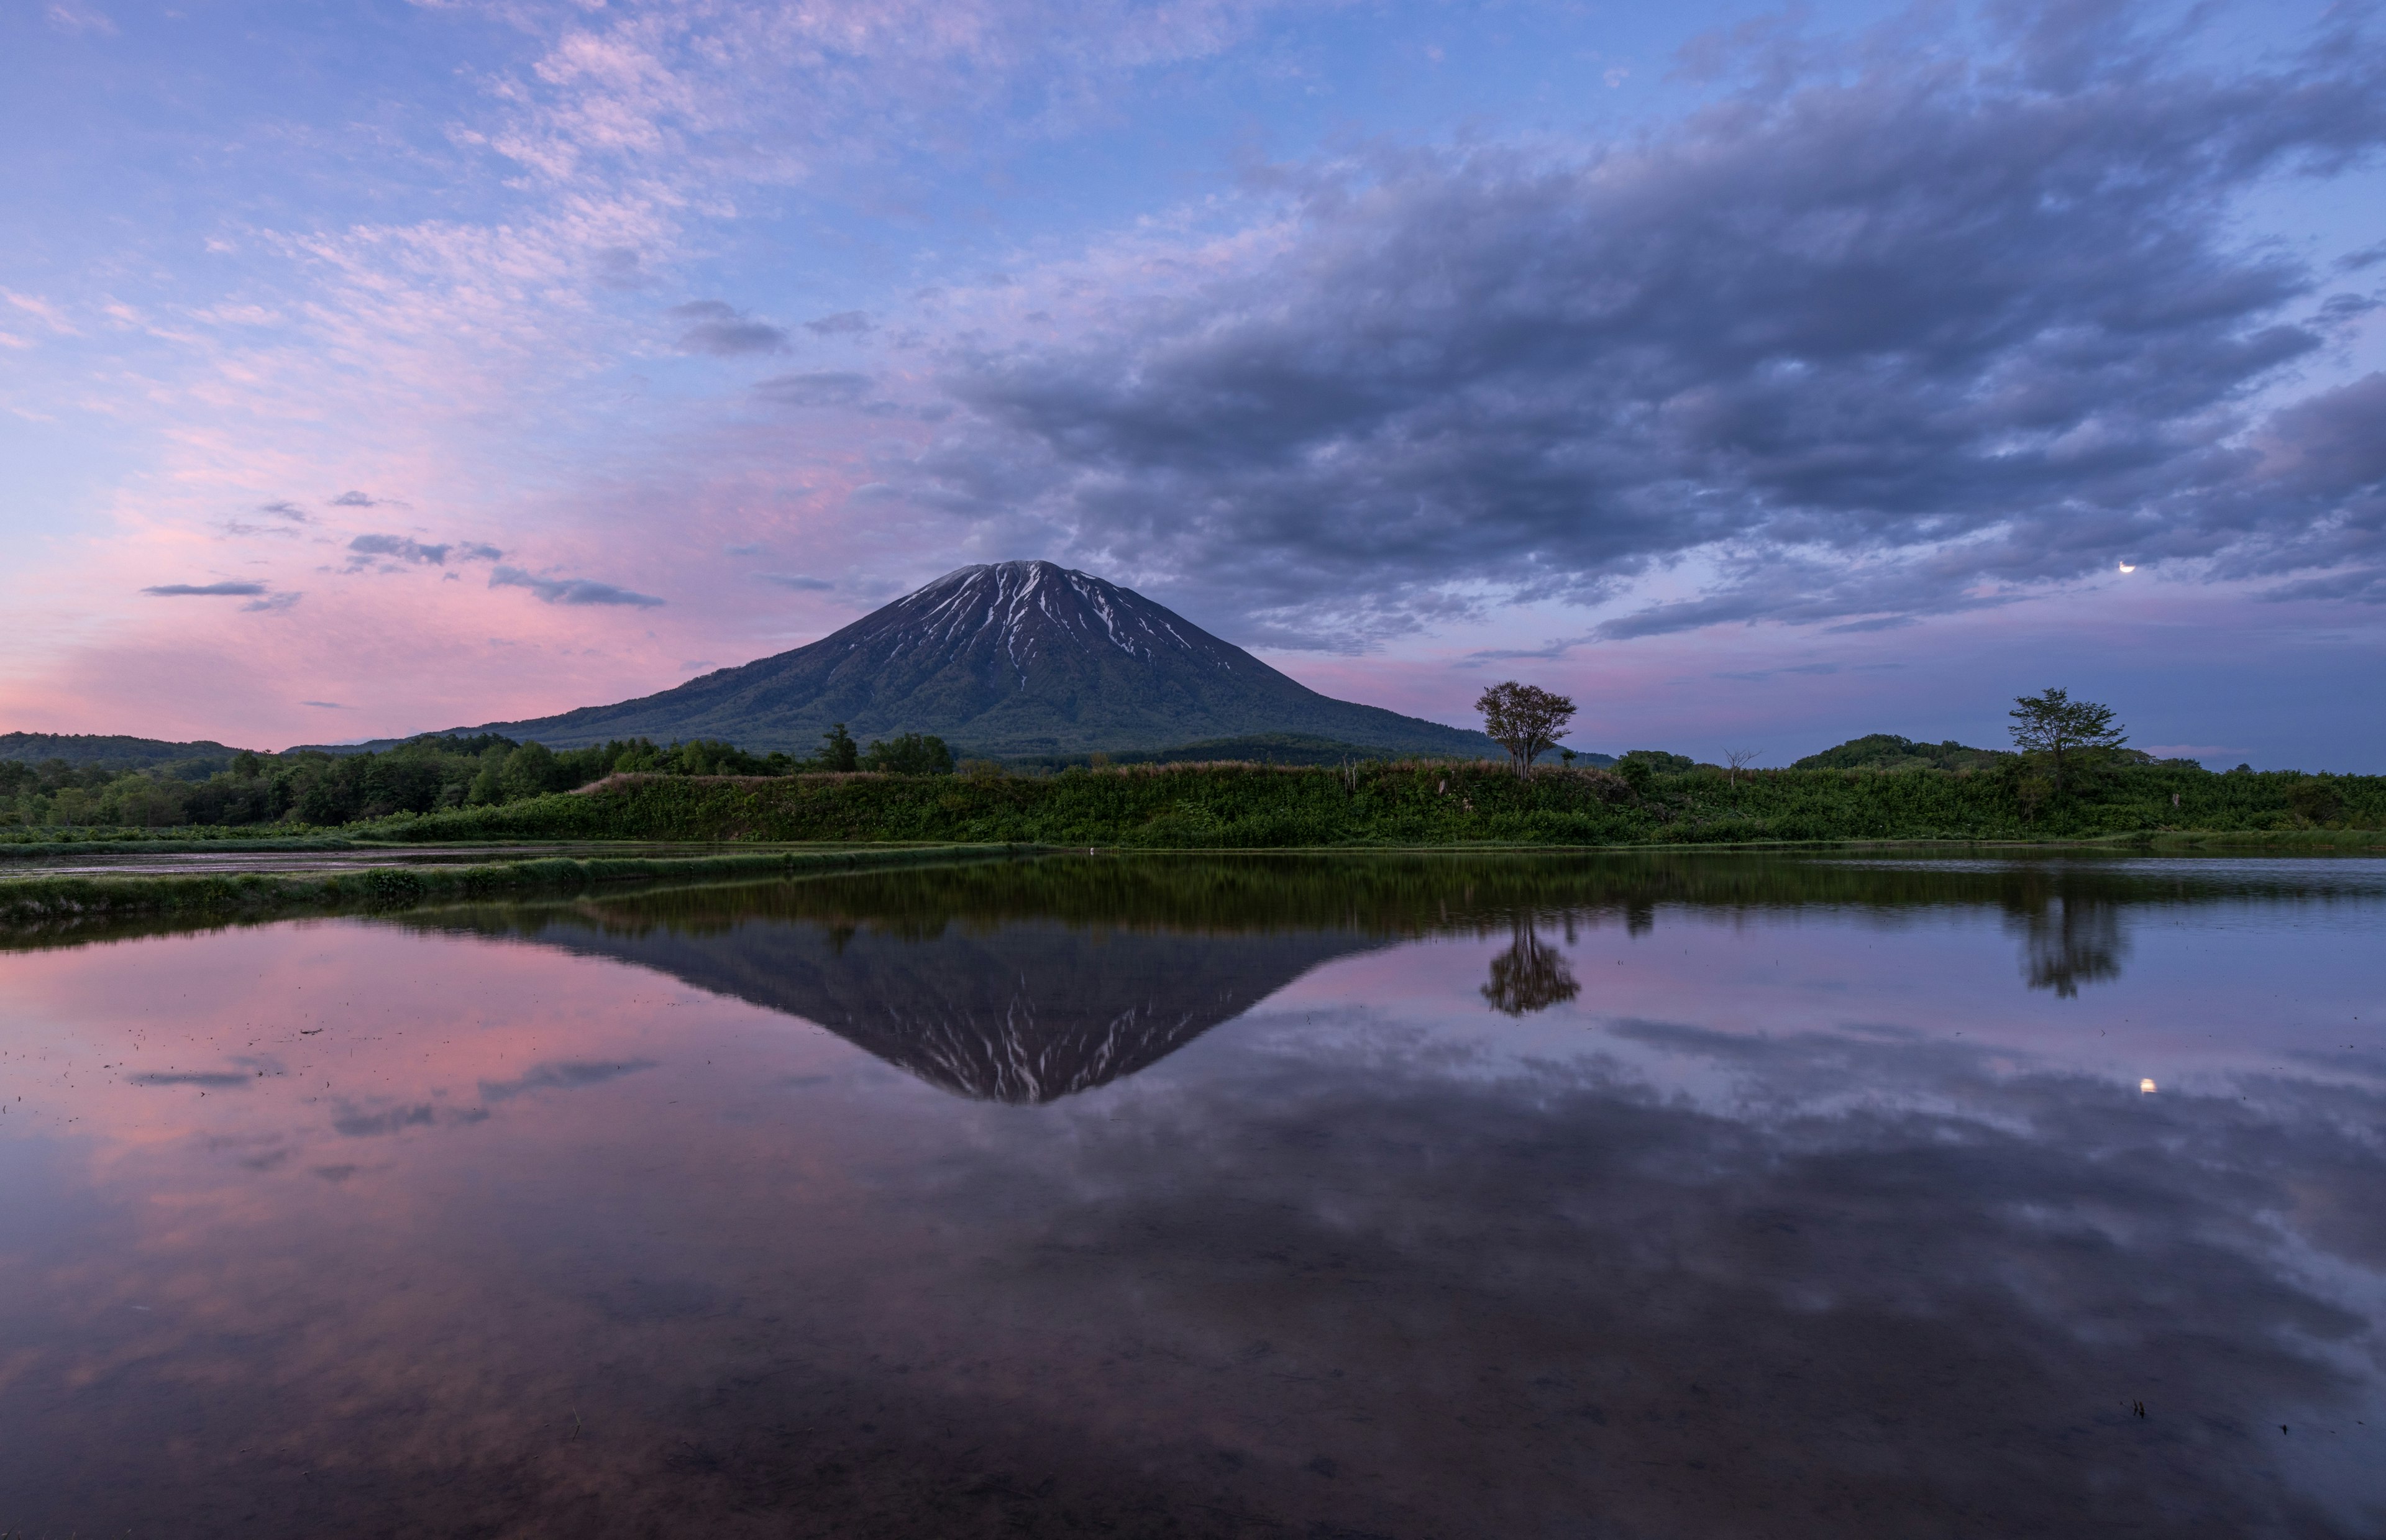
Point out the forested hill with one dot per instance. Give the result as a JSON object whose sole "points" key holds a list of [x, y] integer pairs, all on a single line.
{"points": [[92, 750], [1887, 751]]}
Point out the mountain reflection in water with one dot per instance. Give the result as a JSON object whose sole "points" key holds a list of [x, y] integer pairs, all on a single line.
{"points": [[1719, 1197], [1008, 982]]}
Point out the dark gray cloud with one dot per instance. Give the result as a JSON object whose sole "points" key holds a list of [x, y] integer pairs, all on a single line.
{"points": [[203, 590], [272, 603], [396, 548], [726, 332], [1888, 331], [562, 1076], [797, 582], [397, 1119], [822, 388], [568, 591], [844, 323], [366, 500], [618, 267], [289, 510]]}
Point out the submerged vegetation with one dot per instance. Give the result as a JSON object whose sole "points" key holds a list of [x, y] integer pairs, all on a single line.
{"points": [[43, 905]]}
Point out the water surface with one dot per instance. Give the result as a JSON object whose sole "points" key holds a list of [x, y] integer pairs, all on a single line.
{"points": [[1396, 1196]]}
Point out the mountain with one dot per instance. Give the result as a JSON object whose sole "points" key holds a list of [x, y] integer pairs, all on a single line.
{"points": [[84, 749], [1019, 658]]}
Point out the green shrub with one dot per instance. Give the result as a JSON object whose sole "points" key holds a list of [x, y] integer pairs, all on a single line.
{"points": [[1223, 807]]}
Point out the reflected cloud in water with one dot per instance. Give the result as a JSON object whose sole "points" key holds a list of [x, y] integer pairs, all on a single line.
{"points": [[1403, 1197]]}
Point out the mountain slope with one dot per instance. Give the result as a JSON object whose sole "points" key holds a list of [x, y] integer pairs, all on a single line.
{"points": [[81, 749], [1023, 658]]}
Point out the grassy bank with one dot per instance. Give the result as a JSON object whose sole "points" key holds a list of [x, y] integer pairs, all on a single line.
{"points": [[48, 901], [1249, 806], [165, 841]]}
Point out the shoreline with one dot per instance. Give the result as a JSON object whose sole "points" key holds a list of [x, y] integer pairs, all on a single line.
{"points": [[36, 901]]}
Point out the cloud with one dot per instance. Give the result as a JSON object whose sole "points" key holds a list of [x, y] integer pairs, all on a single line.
{"points": [[844, 323], [743, 550], [1883, 333], [1758, 676], [397, 1119], [41, 310], [327, 705], [567, 1075], [618, 267], [291, 511], [796, 582], [568, 591], [272, 603], [397, 547], [79, 19], [724, 332], [824, 388], [203, 590], [364, 500]]}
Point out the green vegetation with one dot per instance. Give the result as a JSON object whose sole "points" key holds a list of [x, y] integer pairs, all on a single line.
{"points": [[1418, 803], [1887, 751], [1525, 720], [1256, 748], [2062, 732], [316, 787], [2070, 779]]}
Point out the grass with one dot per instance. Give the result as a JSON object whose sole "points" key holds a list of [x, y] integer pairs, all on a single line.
{"points": [[72, 839], [1421, 804]]}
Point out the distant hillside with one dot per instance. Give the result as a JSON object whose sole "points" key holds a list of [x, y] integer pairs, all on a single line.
{"points": [[1017, 660], [1887, 751], [88, 749]]}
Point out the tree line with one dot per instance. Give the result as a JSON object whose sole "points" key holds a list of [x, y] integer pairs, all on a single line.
{"points": [[2063, 748], [2067, 755], [421, 775]]}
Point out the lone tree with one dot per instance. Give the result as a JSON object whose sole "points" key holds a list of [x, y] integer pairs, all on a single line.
{"points": [[2056, 725], [1525, 720]]}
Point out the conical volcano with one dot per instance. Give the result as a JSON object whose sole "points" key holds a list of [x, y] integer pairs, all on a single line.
{"points": [[1018, 657]]}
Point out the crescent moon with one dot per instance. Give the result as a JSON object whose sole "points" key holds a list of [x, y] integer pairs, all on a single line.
{"points": [[2127, 568]]}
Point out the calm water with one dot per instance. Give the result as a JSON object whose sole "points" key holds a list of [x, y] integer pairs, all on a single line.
{"points": [[1690, 1197]]}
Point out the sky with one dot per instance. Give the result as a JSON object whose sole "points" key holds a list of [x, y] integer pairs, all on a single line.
{"points": [[1758, 377]]}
